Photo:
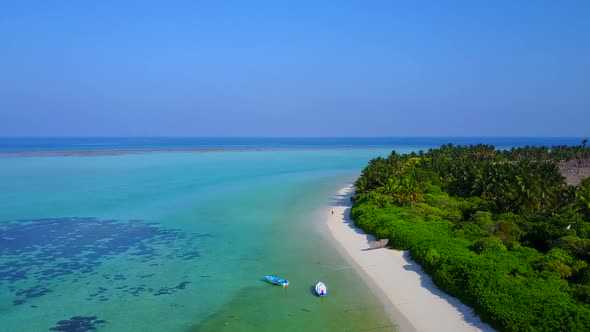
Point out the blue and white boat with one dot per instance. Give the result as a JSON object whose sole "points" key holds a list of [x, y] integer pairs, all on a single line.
{"points": [[277, 281], [321, 289]]}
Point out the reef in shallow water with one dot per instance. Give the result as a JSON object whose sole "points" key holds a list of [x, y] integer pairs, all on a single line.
{"points": [[38, 255], [78, 324]]}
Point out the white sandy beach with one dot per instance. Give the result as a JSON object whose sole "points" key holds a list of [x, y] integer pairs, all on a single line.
{"points": [[407, 293]]}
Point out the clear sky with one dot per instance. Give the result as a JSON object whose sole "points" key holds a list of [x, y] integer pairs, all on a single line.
{"points": [[296, 68]]}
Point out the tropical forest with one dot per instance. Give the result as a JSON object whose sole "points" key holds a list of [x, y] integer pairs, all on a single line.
{"points": [[506, 231]]}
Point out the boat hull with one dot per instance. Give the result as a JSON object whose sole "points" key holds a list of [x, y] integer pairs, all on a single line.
{"points": [[277, 281], [321, 289]]}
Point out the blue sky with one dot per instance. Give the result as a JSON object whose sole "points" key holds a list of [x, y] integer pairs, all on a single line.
{"points": [[297, 68]]}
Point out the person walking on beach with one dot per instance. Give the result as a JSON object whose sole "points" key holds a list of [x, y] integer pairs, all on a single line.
{"points": [[332, 211]]}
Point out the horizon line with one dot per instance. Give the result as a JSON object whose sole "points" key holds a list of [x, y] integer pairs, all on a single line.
{"points": [[288, 137]]}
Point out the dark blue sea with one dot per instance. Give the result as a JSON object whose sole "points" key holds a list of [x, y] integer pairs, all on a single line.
{"points": [[14, 144]]}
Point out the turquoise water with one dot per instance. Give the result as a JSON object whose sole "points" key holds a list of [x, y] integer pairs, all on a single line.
{"points": [[23, 144], [177, 242]]}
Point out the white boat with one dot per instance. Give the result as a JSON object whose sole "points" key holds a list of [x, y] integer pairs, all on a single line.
{"points": [[321, 289]]}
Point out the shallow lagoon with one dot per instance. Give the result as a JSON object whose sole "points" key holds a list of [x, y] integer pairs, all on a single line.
{"points": [[177, 242]]}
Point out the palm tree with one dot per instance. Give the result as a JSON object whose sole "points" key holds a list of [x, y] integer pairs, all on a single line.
{"points": [[360, 185], [583, 198], [537, 187], [530, 194], [408, 190], [389, 188]]}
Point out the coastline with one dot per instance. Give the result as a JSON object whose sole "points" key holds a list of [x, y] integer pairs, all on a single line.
{"points": [[408, 295]]}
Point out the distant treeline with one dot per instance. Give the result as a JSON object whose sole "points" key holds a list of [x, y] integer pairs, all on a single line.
{"points": [[498, 229]]}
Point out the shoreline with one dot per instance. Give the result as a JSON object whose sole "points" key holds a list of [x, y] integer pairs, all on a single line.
{"points": [[408, 295]]}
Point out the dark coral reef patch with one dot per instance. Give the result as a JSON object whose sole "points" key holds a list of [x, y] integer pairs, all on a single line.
{"points": [[37, 255], [78, 324]]}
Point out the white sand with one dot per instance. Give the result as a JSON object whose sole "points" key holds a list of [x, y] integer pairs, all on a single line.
{"points": [[408, 294]]}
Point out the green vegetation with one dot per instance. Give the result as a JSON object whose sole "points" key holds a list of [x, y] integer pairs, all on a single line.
{"points": [[500, 230]]}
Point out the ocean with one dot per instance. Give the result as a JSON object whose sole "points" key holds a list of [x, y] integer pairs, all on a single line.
{"points": [[181, 241], [8, 144]]}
